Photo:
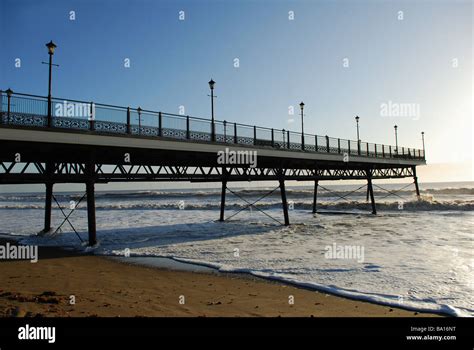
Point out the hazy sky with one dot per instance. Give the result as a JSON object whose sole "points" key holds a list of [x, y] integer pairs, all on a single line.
{"points": [[342, 58]]}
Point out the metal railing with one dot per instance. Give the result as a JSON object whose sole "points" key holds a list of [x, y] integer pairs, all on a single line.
{"points": [[18, 109]]}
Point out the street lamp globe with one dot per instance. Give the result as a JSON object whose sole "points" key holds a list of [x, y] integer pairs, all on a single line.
{"points": [[51, 47], [211, 84]]}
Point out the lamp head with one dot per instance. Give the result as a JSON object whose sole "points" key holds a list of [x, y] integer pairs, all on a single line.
{"points": [[51, 47]]}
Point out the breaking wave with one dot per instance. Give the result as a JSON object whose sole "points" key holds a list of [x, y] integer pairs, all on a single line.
{"points": [[291, 192], [412, 205]]}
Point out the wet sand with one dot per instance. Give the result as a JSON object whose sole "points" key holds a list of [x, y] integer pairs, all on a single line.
{"points": [[105, 287]]}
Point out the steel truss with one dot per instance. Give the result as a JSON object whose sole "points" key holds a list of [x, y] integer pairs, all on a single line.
{"points": [[90, 173], [35, 172]]}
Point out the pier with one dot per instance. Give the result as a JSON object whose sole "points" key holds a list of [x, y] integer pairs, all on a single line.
{"points": [[108, 143]]}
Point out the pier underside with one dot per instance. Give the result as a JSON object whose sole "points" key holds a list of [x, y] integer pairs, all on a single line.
{"points": [[49, 163]]}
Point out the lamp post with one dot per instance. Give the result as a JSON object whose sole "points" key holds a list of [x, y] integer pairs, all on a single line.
{"points": [[139, 110], [396, 139], [423, 141], [213, 129], [51, 47], [9, 97], [357, 122], [302, 125], [358, 138]]}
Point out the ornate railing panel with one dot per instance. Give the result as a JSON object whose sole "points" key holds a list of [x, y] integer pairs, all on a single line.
{"points": [[32, 111]]}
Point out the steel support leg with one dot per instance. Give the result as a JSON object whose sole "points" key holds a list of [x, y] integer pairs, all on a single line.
{"points": [[283, 200], [91, 213], [371, 191], [315, 195], [47, 207], [91, 223], [415, 179], [48, 198], [224, 188]]}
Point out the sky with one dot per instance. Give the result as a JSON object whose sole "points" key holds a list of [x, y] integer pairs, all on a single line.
{"points": [[342, 58]]}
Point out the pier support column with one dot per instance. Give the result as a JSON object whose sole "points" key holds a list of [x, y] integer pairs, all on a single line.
{"points": [[370, 190], [48, 198], [91, 223], [283, 199], [415, 180], [367, 196], [47, 207], [225, 176], [91, 213], [315, 195], [224, 188]]}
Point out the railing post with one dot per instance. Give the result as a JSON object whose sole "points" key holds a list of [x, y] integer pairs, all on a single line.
{"points": [[419, 154], [235, 133], [349, 146], [367, 149], [9, 97], [390, 150], [225, 131], [8, 108], [273, 138], [403, 152], [339, 145], [358, 147], [288, 138], [327, 143], [50, 107], [160, 124], [187, 127], [316, 143], [129, 129], [375, 145], [139, 110], [383, 151], [213, 128], [92, 117], [254, 135]]}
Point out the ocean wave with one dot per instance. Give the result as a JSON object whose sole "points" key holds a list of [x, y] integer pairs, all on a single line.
{"points": [[426, 204], [291, 192]]}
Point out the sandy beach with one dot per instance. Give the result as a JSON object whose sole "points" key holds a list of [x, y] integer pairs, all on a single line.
{"points": [[103, 287]]}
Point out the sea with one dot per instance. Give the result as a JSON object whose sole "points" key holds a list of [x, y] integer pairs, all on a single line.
{"points": [[416, 253]]}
